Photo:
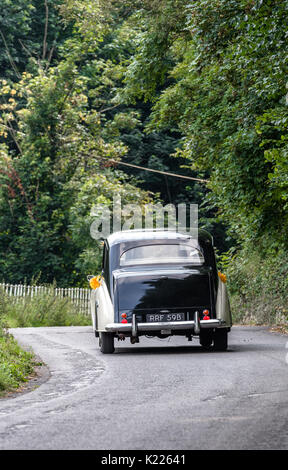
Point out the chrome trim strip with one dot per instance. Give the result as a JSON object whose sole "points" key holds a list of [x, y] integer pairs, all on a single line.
{"points": [[176, 325]]}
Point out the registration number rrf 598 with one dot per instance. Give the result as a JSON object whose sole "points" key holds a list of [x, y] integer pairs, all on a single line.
{"points": [[164, 317]]}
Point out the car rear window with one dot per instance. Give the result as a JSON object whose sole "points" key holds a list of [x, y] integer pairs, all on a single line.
{"points": [[161, 253]]}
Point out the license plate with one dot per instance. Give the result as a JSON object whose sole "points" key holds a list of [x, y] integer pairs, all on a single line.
{"points": [[165, 317]]}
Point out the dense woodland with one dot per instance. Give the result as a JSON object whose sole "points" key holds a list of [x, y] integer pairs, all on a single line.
{"points": [[197, 88]]}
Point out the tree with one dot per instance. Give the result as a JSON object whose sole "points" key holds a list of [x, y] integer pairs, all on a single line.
{"points": [[30, 32], [227, 76], [59, 145]]}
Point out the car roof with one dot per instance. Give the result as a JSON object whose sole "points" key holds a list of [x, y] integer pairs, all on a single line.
{"points": [[150, 235]]}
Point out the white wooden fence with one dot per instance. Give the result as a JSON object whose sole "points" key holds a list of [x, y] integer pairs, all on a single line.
{"points": [[80, 297]]}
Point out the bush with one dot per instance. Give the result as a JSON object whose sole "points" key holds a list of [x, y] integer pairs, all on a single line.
{"points": [[258, 286]]}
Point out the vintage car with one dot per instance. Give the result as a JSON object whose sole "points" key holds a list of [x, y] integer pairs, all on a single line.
{"points": [[159, 283]]}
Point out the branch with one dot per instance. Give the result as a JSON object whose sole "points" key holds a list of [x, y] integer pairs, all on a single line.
{"points": [[30, 54], [25, 48], [49, 58], [108, 109], [45, 30], [12, 131], [9, 56]]}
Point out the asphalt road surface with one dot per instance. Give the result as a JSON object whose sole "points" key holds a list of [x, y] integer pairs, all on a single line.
{"points": [[158, 394]]}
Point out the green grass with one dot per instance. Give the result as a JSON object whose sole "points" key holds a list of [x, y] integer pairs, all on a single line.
{"points": [[15, 364], [41, 310], [44, 310]]}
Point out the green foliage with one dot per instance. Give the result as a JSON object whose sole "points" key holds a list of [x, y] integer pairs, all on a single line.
{"points": [[223, 87], [97, 189], [258, 286], [198, 88], [30, 33], [229, 77], [158, 24], [34, 201], [60, 143], [61, 120], [45, 309], [15, 23], [15, 364]]}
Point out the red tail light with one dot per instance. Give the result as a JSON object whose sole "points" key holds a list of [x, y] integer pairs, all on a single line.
{"points": [[206, 315]]}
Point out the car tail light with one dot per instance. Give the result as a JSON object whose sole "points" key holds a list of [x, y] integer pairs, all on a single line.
{"points": [[124, 315], [206, 315], [124, 318]]}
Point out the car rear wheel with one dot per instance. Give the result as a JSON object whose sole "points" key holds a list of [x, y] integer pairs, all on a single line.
{"points": [[106, 343], [220, 339], [206, 338]]}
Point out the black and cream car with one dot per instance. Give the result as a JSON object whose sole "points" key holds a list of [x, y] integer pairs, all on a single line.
{"points": [[160, 283]]}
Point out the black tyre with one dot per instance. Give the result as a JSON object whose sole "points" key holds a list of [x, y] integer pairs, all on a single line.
{"points": [[220, 339], [106, 343], [206, 338]]}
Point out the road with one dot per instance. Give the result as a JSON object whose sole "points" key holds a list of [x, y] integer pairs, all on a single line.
{"points": [[158, 394]]}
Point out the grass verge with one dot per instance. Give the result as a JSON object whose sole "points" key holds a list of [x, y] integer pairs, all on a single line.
{"points": [[15, 364], [42, 310]]}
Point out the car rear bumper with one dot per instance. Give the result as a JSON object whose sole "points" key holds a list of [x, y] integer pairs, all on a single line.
{"points": [[194, 325]]}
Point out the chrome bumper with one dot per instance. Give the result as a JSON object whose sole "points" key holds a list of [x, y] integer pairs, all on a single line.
{"points": [[194, 325]]}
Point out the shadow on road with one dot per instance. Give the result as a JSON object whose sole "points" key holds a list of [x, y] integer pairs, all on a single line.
{"points": [[196, 349], [167, 350]]}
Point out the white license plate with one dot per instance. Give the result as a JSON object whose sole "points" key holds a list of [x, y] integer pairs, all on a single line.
{"points": [[165, 317]]}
